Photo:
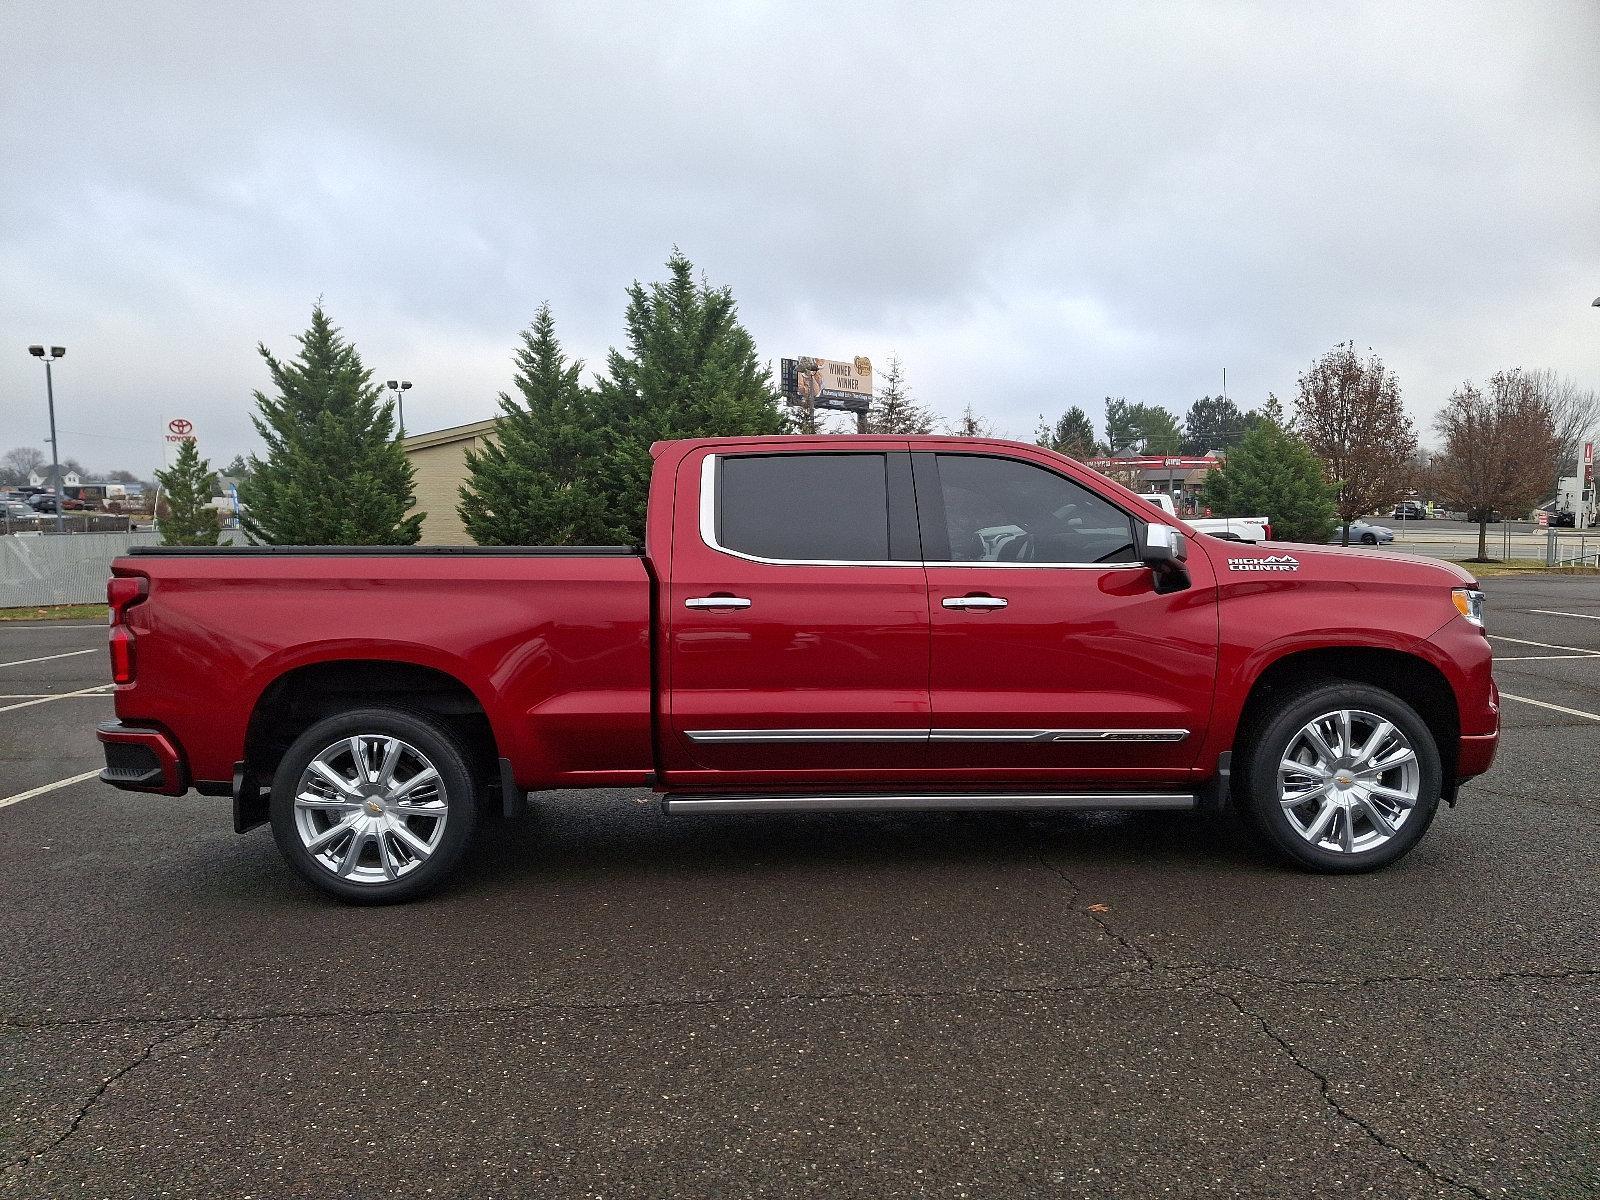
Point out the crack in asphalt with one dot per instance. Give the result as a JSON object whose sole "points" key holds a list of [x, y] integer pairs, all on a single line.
{"points": [[1330, 1101], [88, 1105], [1333, 1104]]}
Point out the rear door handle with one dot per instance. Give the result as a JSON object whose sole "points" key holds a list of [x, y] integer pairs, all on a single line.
{"points": [[978, 602], [717, 602]]}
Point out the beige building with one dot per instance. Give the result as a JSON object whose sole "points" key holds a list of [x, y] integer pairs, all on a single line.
{"points": [[440, 461]]}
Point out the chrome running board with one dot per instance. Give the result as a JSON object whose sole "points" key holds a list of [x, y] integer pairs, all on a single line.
{"points": [[928, 802]]}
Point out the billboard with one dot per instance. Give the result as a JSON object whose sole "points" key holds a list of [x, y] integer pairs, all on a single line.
{"points": [[828, 382]]}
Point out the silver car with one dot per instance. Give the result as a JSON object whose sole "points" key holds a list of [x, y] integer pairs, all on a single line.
{"points": [[1366, 534]]}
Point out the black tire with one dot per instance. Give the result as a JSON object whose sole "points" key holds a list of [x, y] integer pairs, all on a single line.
{"points": [[443, 751], [1268, 739], [1369, 539]]}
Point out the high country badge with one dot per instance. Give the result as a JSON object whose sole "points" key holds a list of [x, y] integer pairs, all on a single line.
{"points": [[1273, 562]]}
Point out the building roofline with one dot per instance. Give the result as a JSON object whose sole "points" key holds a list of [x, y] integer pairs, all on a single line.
{"points": [[443, 437]]}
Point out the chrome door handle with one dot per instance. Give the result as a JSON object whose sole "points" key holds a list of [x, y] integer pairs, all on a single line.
{"points": [[716, 602], [979, 602]]}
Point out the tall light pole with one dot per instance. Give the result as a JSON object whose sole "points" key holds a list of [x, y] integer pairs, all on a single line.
{"points": [[50, 398], [400, 387]]}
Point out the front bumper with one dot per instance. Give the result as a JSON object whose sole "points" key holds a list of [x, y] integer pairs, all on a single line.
{"points": [[141, 760]]}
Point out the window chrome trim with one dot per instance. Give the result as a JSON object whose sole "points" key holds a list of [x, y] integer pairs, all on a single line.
{"points": [[1092, 736], [708, 535]]}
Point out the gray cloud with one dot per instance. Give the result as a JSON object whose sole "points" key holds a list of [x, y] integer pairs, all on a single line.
{"points": [[1036, 205]]}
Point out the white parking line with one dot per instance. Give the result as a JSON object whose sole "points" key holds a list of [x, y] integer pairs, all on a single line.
{"points": [[1571, 712], [21, 662], [1502, 658], [88, 691], [49, 787], [53, 695], [1578, 651], [1550, 612]]}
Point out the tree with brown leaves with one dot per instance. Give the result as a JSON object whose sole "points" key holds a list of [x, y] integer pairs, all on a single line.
{"points": [[1349, 412], [1501, 447]]}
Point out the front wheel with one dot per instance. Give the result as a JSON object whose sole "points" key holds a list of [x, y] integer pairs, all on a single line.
{"points": [[374, 806], [1342, 778], [1369, 539]]}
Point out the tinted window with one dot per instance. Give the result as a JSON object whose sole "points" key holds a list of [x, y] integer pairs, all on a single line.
{"points": [[1002, 510], [805, 506]]}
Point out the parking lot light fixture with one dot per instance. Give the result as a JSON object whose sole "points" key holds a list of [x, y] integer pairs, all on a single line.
{"points": [[50, 399], [399, 387]]}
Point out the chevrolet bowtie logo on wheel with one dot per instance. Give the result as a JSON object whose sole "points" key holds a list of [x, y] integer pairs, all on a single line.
{"points": [[1273, 562]]}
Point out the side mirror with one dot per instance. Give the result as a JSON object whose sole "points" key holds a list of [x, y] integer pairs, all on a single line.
{"points": [[1163, 546], [1164, 549]]}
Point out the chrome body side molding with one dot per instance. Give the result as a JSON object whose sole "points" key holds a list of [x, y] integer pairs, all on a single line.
{"points": [[1093, 736]]}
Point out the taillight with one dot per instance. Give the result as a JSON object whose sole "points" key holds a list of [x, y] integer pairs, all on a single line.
{"points": [[1267, 528], [122, 593]]}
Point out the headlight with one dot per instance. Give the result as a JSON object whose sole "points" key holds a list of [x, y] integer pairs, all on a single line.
{"points": [[1469, 603]]}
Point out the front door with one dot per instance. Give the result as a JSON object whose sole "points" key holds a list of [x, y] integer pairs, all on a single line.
{"points": [[798, 620], [1053, 655]]}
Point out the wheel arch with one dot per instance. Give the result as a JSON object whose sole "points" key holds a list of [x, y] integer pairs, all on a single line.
{"points": [[1410, 677], [300, 697]]}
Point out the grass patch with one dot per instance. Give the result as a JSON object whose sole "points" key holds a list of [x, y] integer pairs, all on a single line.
{"points": [[1484, 569], [55, 612]]}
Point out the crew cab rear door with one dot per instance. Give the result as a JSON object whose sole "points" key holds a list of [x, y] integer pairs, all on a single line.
{"points": [[798, 617], [1053, 654]]}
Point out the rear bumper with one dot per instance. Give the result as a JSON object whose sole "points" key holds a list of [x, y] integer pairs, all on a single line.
{"points": [[141, 760]]}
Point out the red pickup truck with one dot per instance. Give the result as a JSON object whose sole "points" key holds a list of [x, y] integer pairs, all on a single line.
{"points": [[814, 623]]}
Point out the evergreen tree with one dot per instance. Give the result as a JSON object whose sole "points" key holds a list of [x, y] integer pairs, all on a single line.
{"points": [[1272, 473], [333, 474], [893, 409], [534, 482], [1072, 434], [1212, 423], [690, 370], [1137, 428], [186, 487]]}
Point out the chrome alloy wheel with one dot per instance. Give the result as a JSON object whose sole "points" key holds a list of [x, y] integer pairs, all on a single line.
{"points": [[370, 808], [1348, 781]]}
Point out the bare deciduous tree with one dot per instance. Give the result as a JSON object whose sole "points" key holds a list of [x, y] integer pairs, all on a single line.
{"points": [[1348, 411], [15, 464], [1500, 448], [1575, 411]]}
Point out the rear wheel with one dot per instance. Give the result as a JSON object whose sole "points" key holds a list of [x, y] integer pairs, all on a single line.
{"points": [[1342, 777], [374, 806]]}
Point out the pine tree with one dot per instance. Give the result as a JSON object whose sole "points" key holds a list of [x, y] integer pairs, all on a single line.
{"points": [[893, 409], [690, 370], [1272, 473], [1212, 423], [1072, 434], [533, 483], [186, 489], [333, 474]]}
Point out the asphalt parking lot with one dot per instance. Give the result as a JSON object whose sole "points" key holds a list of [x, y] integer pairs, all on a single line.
{"points": [[613, 1004]]}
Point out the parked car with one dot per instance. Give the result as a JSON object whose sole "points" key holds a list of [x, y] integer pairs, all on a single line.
{"points": [[1563, 518], [812, 625], [1366, 534], [1229, 529], [16, 510], [1410, 510], [1476, 515], [45, 502]]}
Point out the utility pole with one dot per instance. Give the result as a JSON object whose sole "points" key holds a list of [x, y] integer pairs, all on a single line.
{"points": [[50, 399]]}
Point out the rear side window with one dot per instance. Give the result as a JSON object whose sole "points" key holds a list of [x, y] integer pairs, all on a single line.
{"points": [[833, 507], [1003, 510]]}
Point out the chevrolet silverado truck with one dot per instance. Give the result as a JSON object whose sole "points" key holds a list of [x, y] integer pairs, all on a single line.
{"points": [[812, 624]]}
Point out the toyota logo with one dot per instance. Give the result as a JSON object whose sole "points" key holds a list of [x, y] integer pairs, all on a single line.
{"points": [[181, 427]]}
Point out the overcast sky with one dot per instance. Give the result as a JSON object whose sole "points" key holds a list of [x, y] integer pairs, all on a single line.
{"points": [[1035, 205]]}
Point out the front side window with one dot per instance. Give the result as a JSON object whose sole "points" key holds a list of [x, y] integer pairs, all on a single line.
{"points": [[805, 507], [1004, 511]]}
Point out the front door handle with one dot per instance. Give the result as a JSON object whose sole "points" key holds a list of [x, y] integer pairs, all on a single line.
{"points": [[977, 602], [716, 602]]}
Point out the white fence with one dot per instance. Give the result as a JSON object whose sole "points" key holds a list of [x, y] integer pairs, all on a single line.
{"points": [[62, 569]]}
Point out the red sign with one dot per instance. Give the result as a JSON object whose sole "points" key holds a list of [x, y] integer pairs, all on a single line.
{"points": [[179, 430], [1588, 462]]}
